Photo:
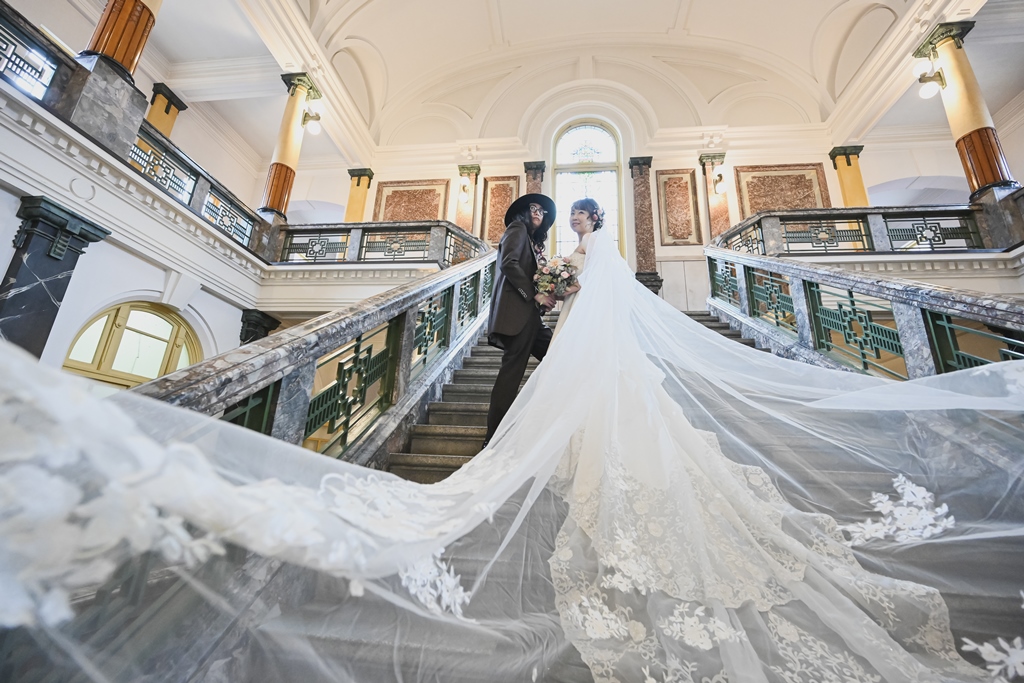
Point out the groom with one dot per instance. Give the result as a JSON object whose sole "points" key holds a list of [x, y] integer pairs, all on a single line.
{"points": [[515, 323]]}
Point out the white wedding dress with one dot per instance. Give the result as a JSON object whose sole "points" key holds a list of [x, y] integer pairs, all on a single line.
{"points": [[668, 504]]}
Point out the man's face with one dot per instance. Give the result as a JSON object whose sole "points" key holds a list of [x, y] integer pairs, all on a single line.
{"points": [[536, 215]]}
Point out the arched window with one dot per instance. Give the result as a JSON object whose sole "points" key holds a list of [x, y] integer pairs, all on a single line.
{"points": [[586, 165], [133, 343]]}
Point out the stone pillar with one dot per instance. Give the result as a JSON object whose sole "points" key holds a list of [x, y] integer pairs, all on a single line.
{"points": [[256, 325], [123, 30], [164, 108], [643, 224], [357, 194], [846, 161], [969, 119], [464, 214], [281, 176], [534, 176], [47, 245], [716, 202]]}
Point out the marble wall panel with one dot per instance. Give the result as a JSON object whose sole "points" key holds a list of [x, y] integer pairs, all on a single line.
{"points": [[411, 200], [499, 193], [781, 186], [677, 206]]}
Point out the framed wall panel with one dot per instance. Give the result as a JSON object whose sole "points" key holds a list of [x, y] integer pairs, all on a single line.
{"points": [[677, 207], [783, 186], [499, 193], [411, 200]]}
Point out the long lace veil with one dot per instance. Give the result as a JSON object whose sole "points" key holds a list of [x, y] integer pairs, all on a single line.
{"points": [[660, 504]]}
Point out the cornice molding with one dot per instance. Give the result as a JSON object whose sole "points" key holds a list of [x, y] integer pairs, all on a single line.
{"points": [[226, 79], [1010, 118]]}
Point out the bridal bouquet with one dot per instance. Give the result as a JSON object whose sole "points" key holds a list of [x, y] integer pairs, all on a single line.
{"points": [[554, 276]]}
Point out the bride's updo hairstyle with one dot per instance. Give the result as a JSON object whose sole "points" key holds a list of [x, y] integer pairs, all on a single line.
{"points": [[591, 207]]}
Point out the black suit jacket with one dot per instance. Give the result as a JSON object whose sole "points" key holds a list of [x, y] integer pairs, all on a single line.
{"points": [[512, 302]]}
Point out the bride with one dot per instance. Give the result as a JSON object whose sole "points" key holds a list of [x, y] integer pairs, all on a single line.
{"points": [[660, 505]]}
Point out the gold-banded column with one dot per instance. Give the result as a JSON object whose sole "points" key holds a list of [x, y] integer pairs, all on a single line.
{"points": [[846, 161], [358, 192], [465, 212], [969, 119], [281, 176], [123, 30], [534, 176], [643, 224], [164, 108]]}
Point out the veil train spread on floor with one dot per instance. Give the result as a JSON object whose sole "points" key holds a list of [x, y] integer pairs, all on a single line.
{"points": [[661, 504]]}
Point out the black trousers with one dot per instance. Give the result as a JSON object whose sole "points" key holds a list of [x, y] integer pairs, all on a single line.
{"points": [[533, 340]]}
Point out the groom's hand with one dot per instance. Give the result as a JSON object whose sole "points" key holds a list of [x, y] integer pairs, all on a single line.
{"points": [[545, 301]]}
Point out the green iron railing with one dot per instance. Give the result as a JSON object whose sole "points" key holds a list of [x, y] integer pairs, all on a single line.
{"points": [[771, 299], [432, 328], [935, 233], [958, 344], [468, 301], [255, 412], [724, 283], [801, 236]]}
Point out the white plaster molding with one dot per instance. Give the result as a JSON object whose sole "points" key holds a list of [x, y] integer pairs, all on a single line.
{"points": [[179, 289], [908, 136], [1011, 117], [225, 79]]}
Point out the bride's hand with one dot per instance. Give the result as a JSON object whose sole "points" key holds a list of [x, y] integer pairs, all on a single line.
{"points": [[571, 290]]}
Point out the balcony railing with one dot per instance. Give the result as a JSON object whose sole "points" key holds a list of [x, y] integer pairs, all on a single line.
{"points": [[829, 231], [881, 325], [413, 242], [24, 63]]}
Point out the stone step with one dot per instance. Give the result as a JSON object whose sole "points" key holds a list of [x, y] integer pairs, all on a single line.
{"points": [[482, 375], [452, 413], [467, 393], [446, 439], [425, 468], [491, 361]]}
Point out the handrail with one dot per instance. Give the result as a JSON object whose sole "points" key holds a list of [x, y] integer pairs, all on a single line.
{"points": [[875, 323], [860, 229], [420, 317]]}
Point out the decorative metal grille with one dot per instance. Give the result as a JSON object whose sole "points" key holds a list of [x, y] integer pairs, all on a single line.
{"points": [[26, 66], [224, 214], [457, 249], [468, 308], [933, 233], [850, 327], [175, 177], [750, 241], [431, 333], [488, 285], [395, 246], [958, 343], [724, 285], [802, 236], [257, 411], [357, 396], [315, 247], [770, 298]]}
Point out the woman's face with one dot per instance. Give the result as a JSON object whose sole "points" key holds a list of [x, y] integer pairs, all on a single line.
{"points": [[580, 222]]}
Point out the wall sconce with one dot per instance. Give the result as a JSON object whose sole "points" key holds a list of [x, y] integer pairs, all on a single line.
{"points": [[718, 183], [311, 122], [931, 79], [464, 190]]}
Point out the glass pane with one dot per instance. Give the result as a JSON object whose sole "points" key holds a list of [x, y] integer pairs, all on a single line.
{"points": [[147, 322], [183, 360], [602, 186], [586, 144], [84, 350], [140, 355]]}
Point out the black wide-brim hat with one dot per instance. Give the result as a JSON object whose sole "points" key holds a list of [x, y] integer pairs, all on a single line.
{"points": [[523, 203]]}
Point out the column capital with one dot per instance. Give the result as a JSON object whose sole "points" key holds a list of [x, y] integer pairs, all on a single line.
{"points": [[302, 78], [847, 151], [469, 169], [640, 162], [956, 30], [256, 325], [172, 99], [358, 174], [535, 166], [711, 159], [45, 211]]}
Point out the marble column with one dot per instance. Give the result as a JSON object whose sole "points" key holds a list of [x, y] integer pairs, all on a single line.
{"points": [[534, 176], [48, 245], [846, 161], [643, 224], [281, 176], [981, 153], [716, 201], [357, 194], [256, 325], [164, 108], [466, 210]]}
